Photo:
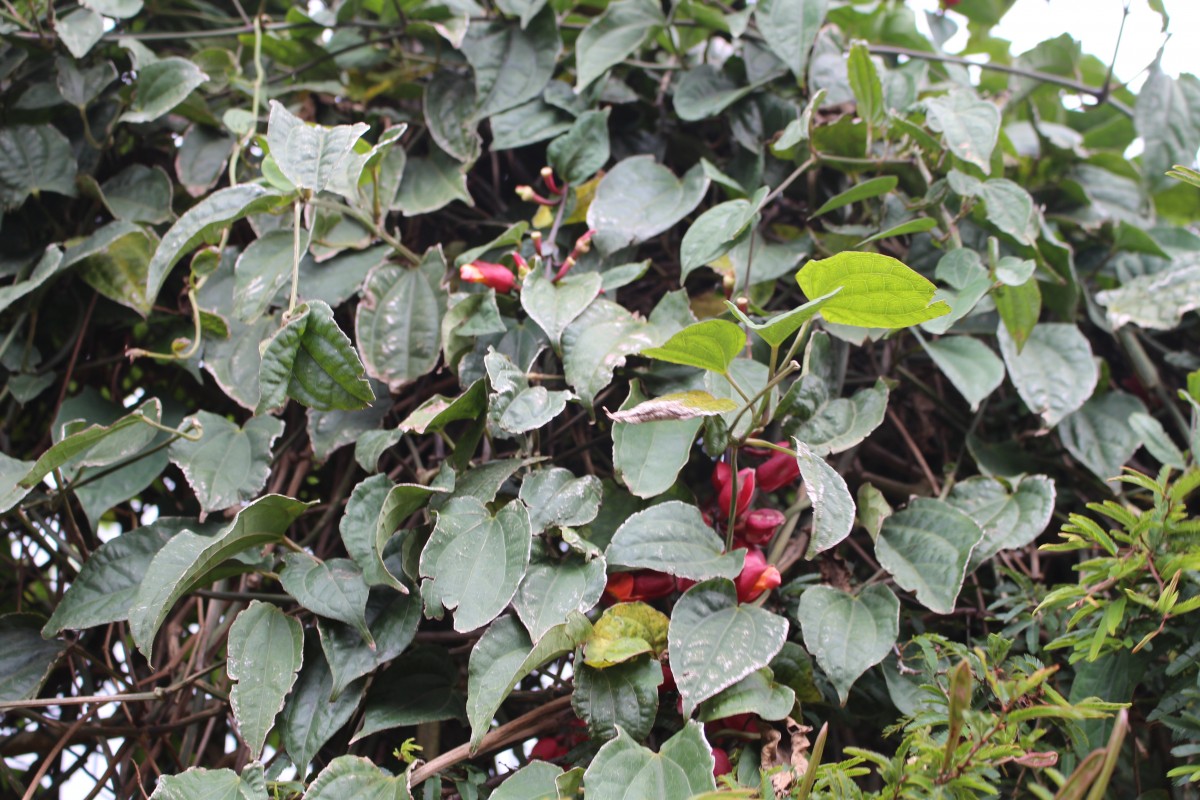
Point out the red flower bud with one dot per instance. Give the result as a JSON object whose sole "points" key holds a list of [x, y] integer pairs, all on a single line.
{"points": [[668, 679], [777, 471], [551, 184], [497, 276], [721, 763], [683, 584], [757, 577], [745, 491], [721, 475], [759, 525], [547, 749], [626, 587]]}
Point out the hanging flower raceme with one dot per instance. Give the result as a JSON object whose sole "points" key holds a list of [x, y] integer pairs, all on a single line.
{"points": [[722, 479], [497, 276], [757, 577]]}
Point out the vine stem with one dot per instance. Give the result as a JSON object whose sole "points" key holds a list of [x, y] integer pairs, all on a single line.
{"points": [[368, 223], [297, 227]]}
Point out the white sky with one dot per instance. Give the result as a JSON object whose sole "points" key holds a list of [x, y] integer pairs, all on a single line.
{"points": [[1095, 24]]}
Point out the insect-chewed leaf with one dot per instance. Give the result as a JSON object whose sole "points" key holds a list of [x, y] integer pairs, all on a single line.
{"points": [[678, 405]]}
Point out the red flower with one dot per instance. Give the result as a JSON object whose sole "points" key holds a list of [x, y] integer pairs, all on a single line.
{"points": [[548, 749], [757, 577], [497, 276], [745, 491], [626, 587], [777, 471], [721, 763], [759, 525]]}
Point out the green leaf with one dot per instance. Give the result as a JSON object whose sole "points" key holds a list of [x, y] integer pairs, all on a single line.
{"points": [[919, 225], [354, 776], [596, 343], [106, 586], [1055, 372], [393, 620], [26, 659], [672, 537], [554, 306], [582, 151], [624, 695], [647, 456], [715, 232], [715, 642], [503, 656], [448, 104], [114, 261], [197, 783], [972, 367], [310, 718], [843, 422], [514, 407], [757, 694], [790, 28], [234, 363], [512, 64], [161, 86], [79, 31], [1098, 434], [120, 9], [474, 561], [437, 412], [46, 266], [525, 9], [399, 322], [1010, 518], [265, 653], [705, 91], [228, 465], [970, 127], [624, 632], [375, 510], [1157, 301], [613, 36], [873, 187], [419, 687], [314, 156], [98, 445], [1154, 438], [263, 269], [430, 183], [34, 159], [1167, 117], [639, 198], [833, 507], [624, 769], [556, 498], [534, 781], [334, 589], [712, 345], [675, 406], [876, 291], [865, 83], [311, 361], [1011, 209], [926, 547], [203, 223], [185, 561], [848, 634], [138, 194], [329, 431], [554, 587], [1019, 308]]}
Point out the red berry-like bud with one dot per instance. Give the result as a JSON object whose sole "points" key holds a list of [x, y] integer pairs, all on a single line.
{"points": [[721, 763], [777, 471], [721, 475], [547, 749], [627, 587], [745, 491], [759, 525], [757, 576], [619, 587], [497, 276]]}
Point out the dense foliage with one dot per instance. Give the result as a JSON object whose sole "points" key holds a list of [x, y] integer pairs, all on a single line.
{"points": [[657, 400]]}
